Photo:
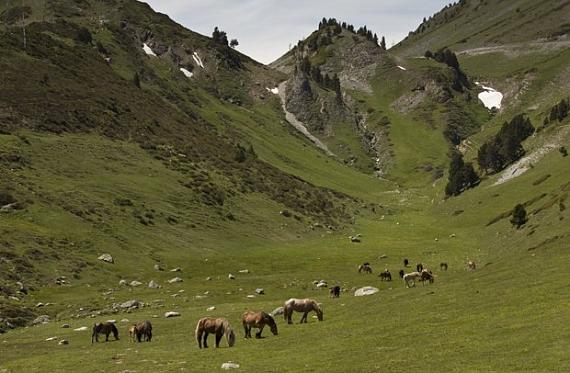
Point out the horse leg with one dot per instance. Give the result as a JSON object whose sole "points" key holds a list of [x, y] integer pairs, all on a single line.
{"points": [[218, 338], [245, 330], [107, 337], [289, 314], [205, 339], [304, 318], [258, 334]]}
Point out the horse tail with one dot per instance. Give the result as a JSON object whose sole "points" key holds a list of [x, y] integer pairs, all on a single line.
{"points": [[198, 331], [115, 331]]}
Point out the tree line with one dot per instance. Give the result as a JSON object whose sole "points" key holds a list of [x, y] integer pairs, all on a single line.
{"points": [[361, 31]]}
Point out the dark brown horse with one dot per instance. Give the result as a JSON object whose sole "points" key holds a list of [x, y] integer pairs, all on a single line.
{"points": [[301, 305], [258, 320], [443, 266], [218, 326], [365, 267], [143, 331], [335, 292], [385, 276], [104, 328]]}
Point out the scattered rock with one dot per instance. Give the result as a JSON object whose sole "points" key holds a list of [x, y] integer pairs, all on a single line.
{"points": [[260, 291], [211, 308], [51, 339], [277, 311], [124, 320], [244, 271], [231, 277], [157, 267], [43, 319], [106, 258], [123, 283], [250, 296], [153, 285], [177, 269], [355, 239], [208, 279], [135, 283], [383, 256], [63, 342], [66, 326], [130, 304], [171, 314], [40, 305], [81, 329], [230, 365], [367, 290], [174, 280], [112, 321], [322, 284], [452, 235]]}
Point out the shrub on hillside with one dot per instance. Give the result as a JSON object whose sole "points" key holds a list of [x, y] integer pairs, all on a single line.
{"points": [[84, 36], [462, 176], [518, 218]]}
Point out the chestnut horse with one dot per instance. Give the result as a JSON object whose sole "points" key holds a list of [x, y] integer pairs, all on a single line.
{"points": [[258, 320], [301, 305], [104, 328], [142, 331], [218, 326]]}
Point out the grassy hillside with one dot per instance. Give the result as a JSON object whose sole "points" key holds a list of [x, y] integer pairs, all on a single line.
{"points": [[205, 174]]}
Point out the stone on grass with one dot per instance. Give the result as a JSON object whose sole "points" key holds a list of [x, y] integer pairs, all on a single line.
{"points": [[157, 267], [130, 304], [81, 329], [123, 283], [153, 285], [277, 311], [177, 269], [66, 326], [230, 365], [43, 319], [367, 290], [260, 291], [51, 339], [231, 277], [106, 258], [322, 284], [135, 283], [244, 271], [211, 308], [175, 280], [171, 314], [63, 342]]}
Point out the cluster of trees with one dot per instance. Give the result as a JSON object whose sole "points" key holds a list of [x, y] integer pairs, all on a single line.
{"points": [[558, 112], [462, 176], [337, 28], [505, 147], [518, 216], [221, 37], [324, 80], [449, 58]]}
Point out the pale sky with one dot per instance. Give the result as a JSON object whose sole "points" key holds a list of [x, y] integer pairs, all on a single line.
{"points": [[265, 29]]}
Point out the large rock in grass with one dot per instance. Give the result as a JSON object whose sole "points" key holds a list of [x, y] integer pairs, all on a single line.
{"points": [[130, 304], [106, 258], [153, 285], [230, 365], [277, 311], [171, 314], [135, 283], [175, 280], [43, 319], [367, 290]]}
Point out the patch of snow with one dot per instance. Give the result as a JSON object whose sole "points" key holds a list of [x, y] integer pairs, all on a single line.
{"points": [[491, 98], [148, 51], [186, 73], [275, 90], [402, 68], [198, 60]]}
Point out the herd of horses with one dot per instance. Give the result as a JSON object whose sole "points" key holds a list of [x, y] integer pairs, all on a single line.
{"points": [[219, 327], [142, 331]]}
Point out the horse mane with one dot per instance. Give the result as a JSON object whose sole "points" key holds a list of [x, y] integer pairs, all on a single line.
{"points": [[229, 332], [198, 330]]}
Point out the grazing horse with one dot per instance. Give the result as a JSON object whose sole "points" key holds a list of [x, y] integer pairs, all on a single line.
{"points": [[419, 267], [365, 267], [301, 305], [385, 276], [218, 326], [411, 278], [406, 262], [251, 319], [335, 291], [143, 331], [443, 266], [427, 275], [471, 265], [132, 332], [104, 328], [401, 273]]}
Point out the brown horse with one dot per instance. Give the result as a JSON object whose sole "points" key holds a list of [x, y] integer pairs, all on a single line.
{"points": [[104, 328], [251, 319], [366, 268], [132, 332], [143, 331], [334, 292], [301, 305], [218, 326]]}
